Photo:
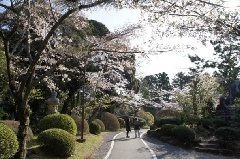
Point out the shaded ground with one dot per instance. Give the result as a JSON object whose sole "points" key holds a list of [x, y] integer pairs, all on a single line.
{"points": [[166, 151], [104, 147]]}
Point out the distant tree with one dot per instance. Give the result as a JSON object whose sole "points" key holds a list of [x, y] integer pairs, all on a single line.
{"points": [[180, 80], [97, 28], [156, 86]]}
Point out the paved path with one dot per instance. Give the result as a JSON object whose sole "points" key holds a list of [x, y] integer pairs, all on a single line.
{"points": [[150, 148], [129, 148]]}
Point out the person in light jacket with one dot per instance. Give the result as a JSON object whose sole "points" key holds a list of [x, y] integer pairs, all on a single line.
{"points": [[137, 128]]}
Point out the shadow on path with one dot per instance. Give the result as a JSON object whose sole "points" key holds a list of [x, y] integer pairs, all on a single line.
{"points": [[167, 151]]}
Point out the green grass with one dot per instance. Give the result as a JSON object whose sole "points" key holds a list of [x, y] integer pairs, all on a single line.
{"points": [[83, 150]]}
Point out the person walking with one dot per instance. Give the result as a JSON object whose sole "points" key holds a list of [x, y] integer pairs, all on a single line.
{"points": [[137, 128], [128, 127]]}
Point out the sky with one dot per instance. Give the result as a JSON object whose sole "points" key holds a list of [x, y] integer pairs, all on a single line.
{"points": [[169, 62]]}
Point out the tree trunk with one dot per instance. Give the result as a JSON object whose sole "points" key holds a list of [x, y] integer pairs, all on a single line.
{"points": [[22, 116]]}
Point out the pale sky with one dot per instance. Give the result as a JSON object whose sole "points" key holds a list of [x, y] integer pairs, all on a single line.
{"points": [[170, 62]]}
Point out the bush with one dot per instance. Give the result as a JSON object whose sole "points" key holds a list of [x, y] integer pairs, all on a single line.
{"points": [[110, 121], [121, 122], [57, 142], [95, 128], [78, 121], [13, 125], [61, 121], [163, 121], [3, 114], [227, 133], [166, 129], [147, 116], [142, 122], [8, 142], [183, 133], [100, 123], [168, 113], [190, 119], [206, 123], [217, 123]]}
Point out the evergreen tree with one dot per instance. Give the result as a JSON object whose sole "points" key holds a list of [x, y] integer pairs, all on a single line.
{"points": [[180, 80]]}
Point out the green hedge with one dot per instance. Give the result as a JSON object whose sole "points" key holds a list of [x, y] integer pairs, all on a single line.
{"points": [[183, 133], [110, 121], [78, 121], [227, 133], [163, 121], [95, 128], [13, 125], [61, 121], [57, 142], [166, 129], [8, 142], [100, 123]]}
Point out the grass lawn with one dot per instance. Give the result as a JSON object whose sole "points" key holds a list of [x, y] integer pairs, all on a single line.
{"points": [[83, 150]]}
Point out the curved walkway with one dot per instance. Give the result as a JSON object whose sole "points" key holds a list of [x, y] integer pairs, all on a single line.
{"points": [[116, 146]]}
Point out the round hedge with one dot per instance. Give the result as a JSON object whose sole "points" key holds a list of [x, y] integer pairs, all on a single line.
{"points": [[162, 121], [8, 142], [13, 125], [217, 123], [95, 128], [61, 121], [100, 123], [183, 133], [57, 142], [206, 123], [166, 129], [227, 133], [110, 121], [78, 121]]}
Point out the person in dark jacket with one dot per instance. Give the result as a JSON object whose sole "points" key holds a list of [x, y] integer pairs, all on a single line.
{"points": [[128, 127]]}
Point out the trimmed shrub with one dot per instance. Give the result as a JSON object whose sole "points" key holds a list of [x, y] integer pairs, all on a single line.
{"points": [[227, 133], [142, 122], [95, 128], [78, 121], [147, 116], [100, 123], [168, 113], [164, 121], [206, 123], [121, 122], [110, 121], [13, 125], [183, 133], [166, 129], [57, 142], [217, 123], [8, 142], [61, 121]]}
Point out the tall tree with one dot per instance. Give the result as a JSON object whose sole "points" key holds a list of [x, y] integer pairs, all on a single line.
{"points": [[30, 31], [227, 63], [180, 80]]}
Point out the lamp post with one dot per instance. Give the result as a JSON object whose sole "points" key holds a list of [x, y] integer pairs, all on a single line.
{"points": [[85, 94]]}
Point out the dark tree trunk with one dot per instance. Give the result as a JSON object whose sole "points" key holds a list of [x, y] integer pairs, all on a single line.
{"points": [[22, 115]]}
